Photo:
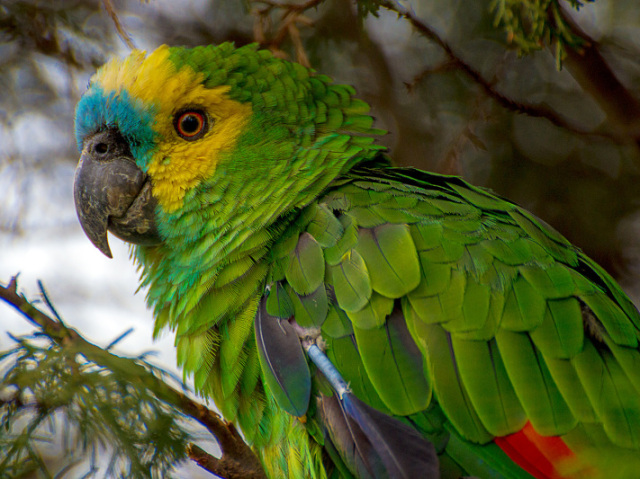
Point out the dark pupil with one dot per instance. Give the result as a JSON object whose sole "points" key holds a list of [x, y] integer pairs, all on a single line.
{"points": [[190, 124]]}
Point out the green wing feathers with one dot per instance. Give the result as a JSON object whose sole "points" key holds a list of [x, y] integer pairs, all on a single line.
{"points": [[434, 296]]}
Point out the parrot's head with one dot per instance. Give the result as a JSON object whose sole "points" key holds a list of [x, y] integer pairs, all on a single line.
{"points": [[182, 144]]}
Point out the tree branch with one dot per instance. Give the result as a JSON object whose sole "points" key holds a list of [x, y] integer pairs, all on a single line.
{"points": [[593, 74], [237, 461], [538, 110], [293, 14], [122, 33]]}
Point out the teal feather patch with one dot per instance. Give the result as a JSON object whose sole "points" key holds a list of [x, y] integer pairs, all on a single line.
{"points": [[98, 109]]}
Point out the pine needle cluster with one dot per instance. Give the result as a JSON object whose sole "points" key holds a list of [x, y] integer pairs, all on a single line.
{"points": [[50, 390], [532, 24]]}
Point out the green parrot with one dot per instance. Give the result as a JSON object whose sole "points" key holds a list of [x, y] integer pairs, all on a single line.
{"points": [[355, 320]]}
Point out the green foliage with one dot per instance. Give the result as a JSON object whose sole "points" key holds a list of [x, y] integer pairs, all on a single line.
{"points": [[529, 24], [532, 24], [46, 387], [366, 7]]}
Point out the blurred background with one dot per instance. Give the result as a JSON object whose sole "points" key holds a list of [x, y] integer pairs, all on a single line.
{"points": [[534, 99]]}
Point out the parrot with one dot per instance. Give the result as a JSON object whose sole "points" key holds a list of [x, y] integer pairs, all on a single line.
{"points": [[353, 319]]}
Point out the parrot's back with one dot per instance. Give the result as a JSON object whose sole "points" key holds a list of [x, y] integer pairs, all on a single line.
{"points": [[504, 345]]}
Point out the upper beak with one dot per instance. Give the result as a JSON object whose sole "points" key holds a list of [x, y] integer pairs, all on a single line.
{"points": [[112, 193]]}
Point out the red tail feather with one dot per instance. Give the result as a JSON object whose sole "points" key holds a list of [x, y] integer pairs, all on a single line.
{"points": [[536, 454]]}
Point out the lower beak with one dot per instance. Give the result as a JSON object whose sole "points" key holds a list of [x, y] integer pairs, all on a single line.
{"points": [[112, 193]]}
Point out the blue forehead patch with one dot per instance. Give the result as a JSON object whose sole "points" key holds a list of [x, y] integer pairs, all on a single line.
{"points": [[98, 110]]}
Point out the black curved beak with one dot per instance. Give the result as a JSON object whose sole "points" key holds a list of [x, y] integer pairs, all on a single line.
{"points": [[112, 193]]}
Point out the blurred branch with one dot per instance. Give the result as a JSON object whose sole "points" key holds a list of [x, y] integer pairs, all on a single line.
{"points": [[593, 74], [442, 67], [538, 110], [292, 15], [450, 162], [237, 461], [122, 33]]}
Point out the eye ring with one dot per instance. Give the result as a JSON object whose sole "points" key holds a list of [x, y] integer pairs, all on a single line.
{"points": [[191, 124]]}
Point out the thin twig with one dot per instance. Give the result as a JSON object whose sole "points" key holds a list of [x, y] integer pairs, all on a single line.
{"points": [[295, 7], [122, 33], [293, 14], [48, 302]]}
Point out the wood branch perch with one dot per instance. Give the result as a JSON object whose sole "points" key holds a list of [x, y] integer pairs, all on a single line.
{"points": [[237, 460]]}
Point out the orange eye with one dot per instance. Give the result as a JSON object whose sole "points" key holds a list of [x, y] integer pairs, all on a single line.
{"points": [[190, 124]]}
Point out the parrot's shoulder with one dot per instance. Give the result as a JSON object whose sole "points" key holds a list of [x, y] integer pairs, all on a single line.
{"points": [[402, 232], [423, 285]]}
